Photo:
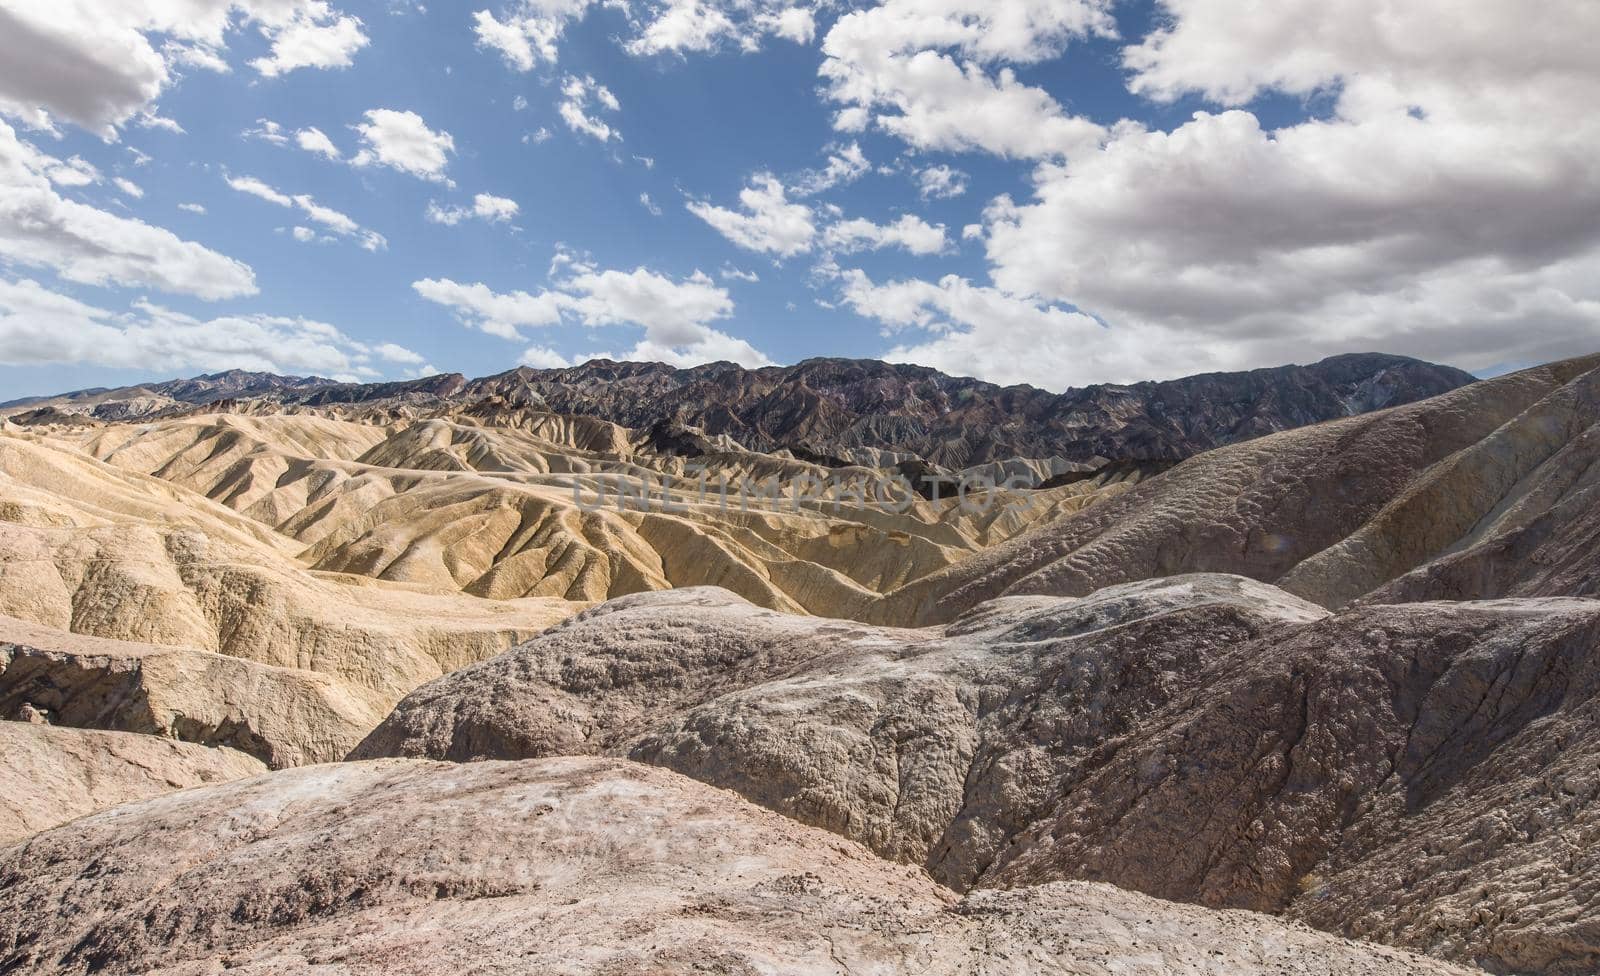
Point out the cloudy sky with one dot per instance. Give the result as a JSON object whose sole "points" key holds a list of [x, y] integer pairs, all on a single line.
{"points": [[1055, 192]]}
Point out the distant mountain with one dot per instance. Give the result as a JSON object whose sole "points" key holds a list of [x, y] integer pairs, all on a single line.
{"points": [[838, 407], [233, 383], [866, 411]]}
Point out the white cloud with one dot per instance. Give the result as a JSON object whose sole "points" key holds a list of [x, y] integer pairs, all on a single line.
{"points": [[485, 207], [497, 314], [315, 37], [537, 136], [678, 26], [675, 314], [941, 182], [769, 223], [797, 24], [402, 141], [1448, 208], [730, 273], [909, 232], [314, 140], [103, 63], [543, 357], [971, 330], [193, 208], [335, 221], [150, 120], [128, 187], [846, 164], [40, 326], [398, 354], [41, 228], [576, 95], [267, 131], [528, 33], [258, 188], [69, 172], [304, 235], [649, 205], [919, 69]]}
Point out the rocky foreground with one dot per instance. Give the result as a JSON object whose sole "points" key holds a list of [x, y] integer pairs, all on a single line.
{"points": [[567, 866], [1420, 774]]}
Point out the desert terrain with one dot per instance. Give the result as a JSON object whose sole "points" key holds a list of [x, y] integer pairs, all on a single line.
{"points": [[834, 668]]}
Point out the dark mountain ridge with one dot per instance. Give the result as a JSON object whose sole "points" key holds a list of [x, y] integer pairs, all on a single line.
{"points": [[870, 411], [835, 406]]}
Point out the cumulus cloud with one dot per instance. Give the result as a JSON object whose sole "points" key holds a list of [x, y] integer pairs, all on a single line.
{"points": [[486, 207], [497, 314], [973, 330], [402, 141], [767, 222], [845, 165], [680, 26], [649, 205], [941, 182], [543, 357], [41, 228], [910, 232], [674, 314], [40, 326], [925, 71], [528, 33], [128, 187], [103, 63], [1448, 207], [335, 221], [314, 140], [315, 36], [577, 94]]}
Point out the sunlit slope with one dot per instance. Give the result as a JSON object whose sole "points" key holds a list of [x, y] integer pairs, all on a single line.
{"points": [[549, 506]]}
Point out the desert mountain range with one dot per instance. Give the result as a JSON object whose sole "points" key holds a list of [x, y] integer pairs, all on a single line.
{"points": [[1289, 671]]}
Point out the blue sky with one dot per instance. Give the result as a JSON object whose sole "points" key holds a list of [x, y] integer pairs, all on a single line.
{"points": [[1145, 190]]}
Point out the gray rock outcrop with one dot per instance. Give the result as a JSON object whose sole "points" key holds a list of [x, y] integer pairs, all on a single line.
{"points": [[569, 866]]}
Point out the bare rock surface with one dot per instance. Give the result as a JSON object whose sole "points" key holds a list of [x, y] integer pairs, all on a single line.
{"points": [[932, 746], [1329, 512], [50, 775], [1419, 774], [568, 866]]}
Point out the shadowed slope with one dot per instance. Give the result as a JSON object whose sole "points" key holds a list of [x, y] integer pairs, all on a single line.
{"points": [[1329, 512]]}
